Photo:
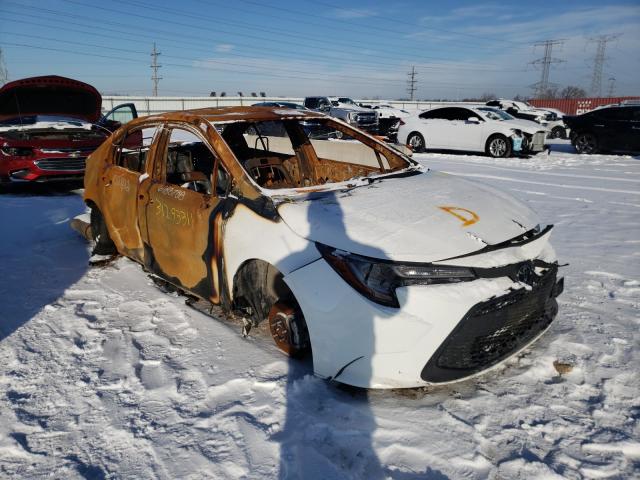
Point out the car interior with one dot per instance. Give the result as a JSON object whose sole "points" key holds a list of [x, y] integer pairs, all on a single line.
{"points": [[280, 154], [190, 164]]}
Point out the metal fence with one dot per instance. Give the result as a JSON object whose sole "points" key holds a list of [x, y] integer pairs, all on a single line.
{"points": [[153, 105]]}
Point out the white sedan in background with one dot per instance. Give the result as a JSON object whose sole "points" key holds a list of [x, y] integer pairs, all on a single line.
{"points": [[481, 129]]}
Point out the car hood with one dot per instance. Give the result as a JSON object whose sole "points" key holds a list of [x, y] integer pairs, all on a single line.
{"points": [[426, 217], [50, 95], [528, 126]]}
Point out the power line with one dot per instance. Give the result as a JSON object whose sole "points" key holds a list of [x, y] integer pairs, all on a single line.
{"points": [[341, 51], [317, 42], [206, 67], [303, 58], [411, 83], [154, 66], [542, 86], [598, 62]]}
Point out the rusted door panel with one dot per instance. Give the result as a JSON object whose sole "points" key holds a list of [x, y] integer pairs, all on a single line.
{"points": [[120, 208], [182, 238]]}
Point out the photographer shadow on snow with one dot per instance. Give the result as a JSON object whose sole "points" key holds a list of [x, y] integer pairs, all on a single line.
{"points": [[40, 256], [329, 427]]}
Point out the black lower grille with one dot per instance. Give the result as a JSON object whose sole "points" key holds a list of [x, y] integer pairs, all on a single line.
{"points": [[64, 164], [494, 329]]}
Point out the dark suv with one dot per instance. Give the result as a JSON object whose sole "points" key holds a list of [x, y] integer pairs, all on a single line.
{"points": [[612, 128]]}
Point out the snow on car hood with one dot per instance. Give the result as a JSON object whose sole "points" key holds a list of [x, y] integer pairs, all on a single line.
{"points": [[421, 218], [528, 126], [44, 122]]}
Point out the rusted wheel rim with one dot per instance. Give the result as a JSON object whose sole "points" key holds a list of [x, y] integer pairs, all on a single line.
{"points": [[280, 318]]}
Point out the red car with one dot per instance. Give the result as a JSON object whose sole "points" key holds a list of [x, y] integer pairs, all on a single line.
{"points": [[49, 125]]}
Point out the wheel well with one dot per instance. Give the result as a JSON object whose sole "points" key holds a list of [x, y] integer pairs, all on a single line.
{"points": [[257, 285]]}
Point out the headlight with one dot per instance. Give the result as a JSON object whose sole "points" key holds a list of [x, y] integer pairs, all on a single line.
{"points": [[352, 116], [17, 151], [378, 279], [517, 131]]}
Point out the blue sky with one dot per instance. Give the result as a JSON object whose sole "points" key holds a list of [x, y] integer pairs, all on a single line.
{"points": [[304, 47]]}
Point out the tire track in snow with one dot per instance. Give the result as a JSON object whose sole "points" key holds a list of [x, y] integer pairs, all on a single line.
{"points": [[558, 185], [540, 172]]}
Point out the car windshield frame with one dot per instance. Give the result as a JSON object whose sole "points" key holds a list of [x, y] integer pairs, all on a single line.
{"points": [[403, 164]]}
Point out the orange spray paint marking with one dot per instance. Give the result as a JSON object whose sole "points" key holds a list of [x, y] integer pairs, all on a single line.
{"points": [[465, 219]]}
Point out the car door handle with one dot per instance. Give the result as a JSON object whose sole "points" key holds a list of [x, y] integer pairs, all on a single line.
{"points": [[598, 125], [635, 128]]}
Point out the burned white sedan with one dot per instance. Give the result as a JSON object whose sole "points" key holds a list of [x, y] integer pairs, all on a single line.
{"points": [[391, 274]]}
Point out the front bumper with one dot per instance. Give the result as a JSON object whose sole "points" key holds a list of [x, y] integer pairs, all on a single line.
{"points": [[494, 330], [361, 343], [535, 142], [17, 170]]}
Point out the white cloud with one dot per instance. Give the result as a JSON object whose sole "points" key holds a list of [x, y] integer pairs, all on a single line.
{"points": [[348, 13], [224, 47]]}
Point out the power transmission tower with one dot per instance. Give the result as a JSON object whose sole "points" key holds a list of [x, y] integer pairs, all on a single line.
{"points": [[155, 67], [598, 62], [411, 83], [542, 86], [4, 74], [612, 86]]}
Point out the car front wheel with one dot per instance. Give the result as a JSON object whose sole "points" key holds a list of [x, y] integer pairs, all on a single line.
{"points": [[586, 143], [558, 132], [498, 146], [416, 142]]}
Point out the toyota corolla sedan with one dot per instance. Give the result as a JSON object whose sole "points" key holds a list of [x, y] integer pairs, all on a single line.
{"points": [[469, 129], [393, 275]]}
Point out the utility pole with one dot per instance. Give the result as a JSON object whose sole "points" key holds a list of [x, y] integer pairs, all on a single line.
{"points": [[154, 66], [4, 74], [542, 86], [612, 86], [598, 62], [411, 83]]}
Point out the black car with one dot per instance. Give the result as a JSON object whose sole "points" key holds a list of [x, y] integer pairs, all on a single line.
{"points": [[613, 128]]}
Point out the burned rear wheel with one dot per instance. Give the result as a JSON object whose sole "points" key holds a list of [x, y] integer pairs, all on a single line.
{"points": [[288, 329]]}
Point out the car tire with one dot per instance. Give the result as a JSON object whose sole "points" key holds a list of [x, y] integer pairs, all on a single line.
{"points": [[100, 234], [558, 132], [416, 141], [498, 146], [585, 143]]}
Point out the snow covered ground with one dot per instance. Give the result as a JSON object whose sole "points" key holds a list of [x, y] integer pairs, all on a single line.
{"points": [[103, 375]]}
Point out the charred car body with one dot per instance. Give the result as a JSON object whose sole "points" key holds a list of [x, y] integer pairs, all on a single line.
{"points": [[394, 275], [49, 125]]}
